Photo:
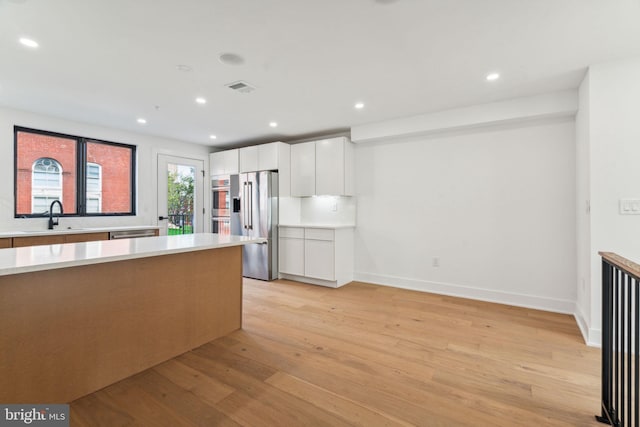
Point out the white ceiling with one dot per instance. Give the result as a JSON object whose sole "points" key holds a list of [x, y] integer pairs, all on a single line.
{"points": [[109, 62]]}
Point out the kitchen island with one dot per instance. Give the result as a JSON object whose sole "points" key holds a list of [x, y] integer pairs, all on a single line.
{"points": [[77, 317]]}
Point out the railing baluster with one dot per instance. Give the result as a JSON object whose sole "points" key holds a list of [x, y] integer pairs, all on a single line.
{"points": [[611, 337], [616, 344], [621, 346], [636, 335], [627, 284]]}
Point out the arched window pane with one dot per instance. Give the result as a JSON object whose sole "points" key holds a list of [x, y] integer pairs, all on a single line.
{"points": [[47, 173], [46, 184]]}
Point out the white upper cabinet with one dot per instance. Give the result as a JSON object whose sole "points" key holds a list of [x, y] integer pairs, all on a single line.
{"points": [[216, 163], [269, 157], [223, 162], [322, 167], [333, 169], [249, 159], [231, 161], [303, 169]]}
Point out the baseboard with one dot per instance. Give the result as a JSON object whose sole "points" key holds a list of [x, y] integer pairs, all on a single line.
{"points": [[556, 305], [595, 338], [582, 325], [304, 279]]}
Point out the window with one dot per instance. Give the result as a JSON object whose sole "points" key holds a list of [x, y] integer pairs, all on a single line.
{"points": [[89, 177], [46, 184], [94, 188]]}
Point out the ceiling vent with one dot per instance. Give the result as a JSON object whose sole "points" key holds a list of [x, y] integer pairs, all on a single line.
{"points": [[241, 86]]}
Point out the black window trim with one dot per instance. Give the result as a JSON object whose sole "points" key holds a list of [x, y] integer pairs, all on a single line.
{"points": [[81, 144]]}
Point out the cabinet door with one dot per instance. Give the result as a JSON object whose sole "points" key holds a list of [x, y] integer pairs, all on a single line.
{"points": [[303, 169], [86, 237], [249, 159], [268, 156], [217, 163], [330, 167], [231, 161], [319, 259], [5, 242], [291, 256], [19, 242]]}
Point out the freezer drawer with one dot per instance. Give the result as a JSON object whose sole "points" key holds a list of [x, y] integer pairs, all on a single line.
{"points": [[258, 261]]}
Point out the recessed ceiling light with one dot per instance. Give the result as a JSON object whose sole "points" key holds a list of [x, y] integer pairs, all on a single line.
{"points": [[28, 42], [273, 124], [359, 106], [184, 68], [231, 59], [201, 100], [493, 77], [212, 137], [142, 121]]}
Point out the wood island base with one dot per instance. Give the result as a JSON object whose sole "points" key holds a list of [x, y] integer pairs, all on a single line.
{"points": [[68, 332]]}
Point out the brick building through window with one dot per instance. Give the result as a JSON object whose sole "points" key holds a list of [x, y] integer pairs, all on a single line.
{"points": [[47, 170]]}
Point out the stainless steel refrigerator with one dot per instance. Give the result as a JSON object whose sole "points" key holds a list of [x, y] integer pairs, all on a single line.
{"points": [[255, 214]]}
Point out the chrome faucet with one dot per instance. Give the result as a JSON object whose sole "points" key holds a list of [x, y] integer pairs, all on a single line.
{"points": [[51, 221]]}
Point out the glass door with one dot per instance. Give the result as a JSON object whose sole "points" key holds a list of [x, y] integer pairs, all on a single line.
{"points": [[180, 195]]}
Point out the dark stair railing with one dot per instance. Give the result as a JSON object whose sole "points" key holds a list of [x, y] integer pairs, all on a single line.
{"points": [[620, 343]]}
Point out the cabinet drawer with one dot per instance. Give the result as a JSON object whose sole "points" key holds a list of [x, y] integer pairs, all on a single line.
{"points": [[319, 233], [294, 232]]}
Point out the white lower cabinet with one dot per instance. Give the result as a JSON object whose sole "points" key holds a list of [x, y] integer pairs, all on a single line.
{"points": [[291, 251], [319, 259], [321, 256]]}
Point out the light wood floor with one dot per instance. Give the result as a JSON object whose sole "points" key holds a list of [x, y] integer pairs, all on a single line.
{"points": [[366, 355]]}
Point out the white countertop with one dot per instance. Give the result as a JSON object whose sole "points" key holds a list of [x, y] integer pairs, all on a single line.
{"points": [[48, 257], [65, 230], [333, 226]]}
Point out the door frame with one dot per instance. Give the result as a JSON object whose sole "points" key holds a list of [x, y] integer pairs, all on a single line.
{"points": [[200, 209]]}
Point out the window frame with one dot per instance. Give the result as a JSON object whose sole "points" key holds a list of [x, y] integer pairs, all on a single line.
{"points": [[81, 171]]}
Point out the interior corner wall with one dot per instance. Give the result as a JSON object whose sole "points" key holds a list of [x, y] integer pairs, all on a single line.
{"points": [[614, 138], [147, 148], [485, 213], [583, 207]]}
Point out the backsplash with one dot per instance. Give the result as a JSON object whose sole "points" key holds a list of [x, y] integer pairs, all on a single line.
{"points": [[335, 210]]}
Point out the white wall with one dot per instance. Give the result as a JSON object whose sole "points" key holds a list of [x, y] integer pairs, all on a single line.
{"points": [[495, 205], [583, 208], [614, 140], [147, 149]]}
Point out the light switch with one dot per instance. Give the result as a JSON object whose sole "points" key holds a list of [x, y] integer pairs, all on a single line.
{"points": [[629, 206]]}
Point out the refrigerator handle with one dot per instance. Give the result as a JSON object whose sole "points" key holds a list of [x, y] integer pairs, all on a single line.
{"points": [[244, 205], [251, 201]]}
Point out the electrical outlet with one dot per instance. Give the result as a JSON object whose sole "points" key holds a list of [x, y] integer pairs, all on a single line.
{"points": [[436, 262], [334, 206]]}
